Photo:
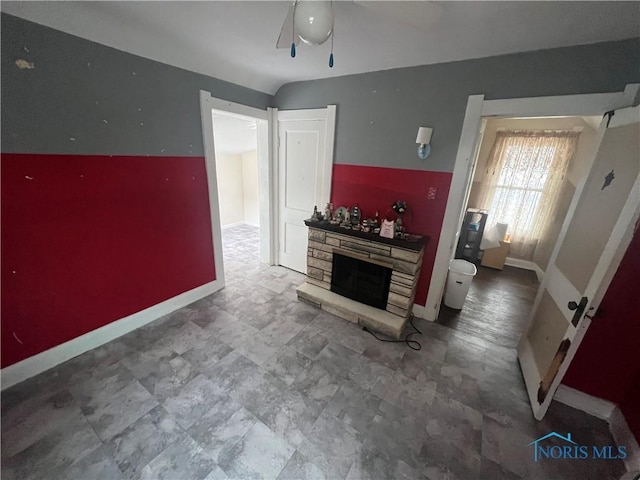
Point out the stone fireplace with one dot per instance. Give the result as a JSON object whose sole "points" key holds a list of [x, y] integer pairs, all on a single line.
{"points": [[365, 262]]}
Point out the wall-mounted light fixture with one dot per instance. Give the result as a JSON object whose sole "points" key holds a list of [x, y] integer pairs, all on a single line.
{"points": [[424, 138]]}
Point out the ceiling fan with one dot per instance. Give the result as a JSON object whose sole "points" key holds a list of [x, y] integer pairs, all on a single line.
{"points": [[312, 21], [309, 21]]}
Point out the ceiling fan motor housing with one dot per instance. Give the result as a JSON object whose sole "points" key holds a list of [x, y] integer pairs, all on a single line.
{"points": [[313, 21]]}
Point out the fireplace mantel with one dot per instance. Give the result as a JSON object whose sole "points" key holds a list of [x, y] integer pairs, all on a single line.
{"points": [[402, 256], [416, 245]]}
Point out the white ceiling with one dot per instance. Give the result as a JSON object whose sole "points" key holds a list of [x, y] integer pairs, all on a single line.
{"points": [[235, 40], [233, 135]]}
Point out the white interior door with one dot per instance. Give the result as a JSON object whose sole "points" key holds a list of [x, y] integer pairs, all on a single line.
{"points": [[592, 240], [305, 159]]}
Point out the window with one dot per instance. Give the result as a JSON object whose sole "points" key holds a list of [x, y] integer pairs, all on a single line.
{"points": [[522, 183]]}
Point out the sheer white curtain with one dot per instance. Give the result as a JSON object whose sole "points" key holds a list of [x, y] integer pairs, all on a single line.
{"points": [[522, 183]]}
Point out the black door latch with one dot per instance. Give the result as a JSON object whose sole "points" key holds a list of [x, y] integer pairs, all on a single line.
{"points": [[578, 309]]}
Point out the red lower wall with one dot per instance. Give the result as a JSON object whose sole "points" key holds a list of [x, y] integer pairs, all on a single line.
{"points": [[631, 407], [607, 364], [376, 188], [87, 240]]}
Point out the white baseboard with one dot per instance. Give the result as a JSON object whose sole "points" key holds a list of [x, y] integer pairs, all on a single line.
{"points": [[526, 265], [582, 401], [608, 411], [43, 361], [622, 435], [421, 311]]}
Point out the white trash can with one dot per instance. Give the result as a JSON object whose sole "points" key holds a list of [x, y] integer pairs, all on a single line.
{"points": [[461, 274]]}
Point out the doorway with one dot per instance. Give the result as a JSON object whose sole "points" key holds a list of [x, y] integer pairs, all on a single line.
{"points": [[236, 159], [477, 109], [280, 138], [528, 152], [555, 312], [265, 177]]}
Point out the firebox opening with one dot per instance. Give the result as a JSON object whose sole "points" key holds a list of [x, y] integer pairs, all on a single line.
{"points": [[359, 280]]}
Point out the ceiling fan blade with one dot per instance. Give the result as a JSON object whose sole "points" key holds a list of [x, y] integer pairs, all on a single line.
{"points": [[286, 33]]}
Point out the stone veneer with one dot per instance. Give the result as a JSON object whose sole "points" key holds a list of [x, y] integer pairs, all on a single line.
{"points": [[405, 264]]}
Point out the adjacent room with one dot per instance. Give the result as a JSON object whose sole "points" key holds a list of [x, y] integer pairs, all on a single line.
{"points": [[525, 177], [236, 159], [228, 235]]}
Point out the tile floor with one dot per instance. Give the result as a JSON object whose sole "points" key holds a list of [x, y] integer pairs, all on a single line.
{"points": [[251, 383]]}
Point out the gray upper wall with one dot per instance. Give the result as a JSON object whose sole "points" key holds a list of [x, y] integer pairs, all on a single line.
{"points": [[100, 96], [378, 114], [109, 101]]}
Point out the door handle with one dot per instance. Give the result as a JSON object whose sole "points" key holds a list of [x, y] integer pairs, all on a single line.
{"points": [[578, 308]]}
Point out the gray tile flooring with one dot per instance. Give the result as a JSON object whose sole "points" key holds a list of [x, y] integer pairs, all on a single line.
{"points": [[251, 383]]}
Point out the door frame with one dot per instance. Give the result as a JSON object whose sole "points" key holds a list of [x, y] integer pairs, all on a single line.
{"points": [[266, 193], [477, 109], [268, 139]]}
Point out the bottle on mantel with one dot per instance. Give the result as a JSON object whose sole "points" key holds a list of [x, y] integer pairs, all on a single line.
{"points": [[355, 215]]}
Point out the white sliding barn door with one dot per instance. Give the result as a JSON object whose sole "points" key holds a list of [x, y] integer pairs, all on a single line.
{"points": [[305, 159]]}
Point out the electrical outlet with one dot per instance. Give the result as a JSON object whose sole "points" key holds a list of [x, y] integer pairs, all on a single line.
{"points": [[431, 193]]}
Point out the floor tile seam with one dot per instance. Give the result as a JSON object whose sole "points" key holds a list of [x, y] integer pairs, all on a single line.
{"points": [[113, 393], [184, 435], [137, 418], [238, 440]]}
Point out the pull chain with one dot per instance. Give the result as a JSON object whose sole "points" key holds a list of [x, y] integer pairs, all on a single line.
{"points": [[333, 31], [293, 31]]}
